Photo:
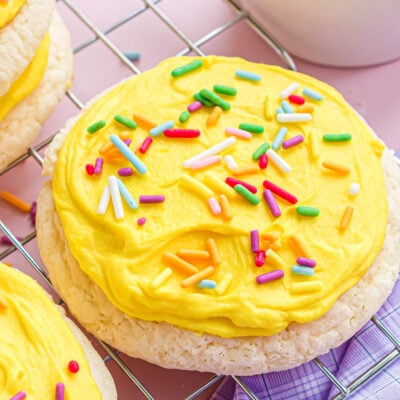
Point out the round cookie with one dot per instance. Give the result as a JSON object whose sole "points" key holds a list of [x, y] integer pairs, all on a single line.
{"points": [[20, 37], [20, 127], [39, 342], [183, 348]]}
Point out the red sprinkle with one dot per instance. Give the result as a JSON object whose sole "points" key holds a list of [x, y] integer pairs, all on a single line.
{"points": [[232, 182], [263, 161], [182, 133], [260, 258], [73, 366], [280, 192], [145, 145], [294, 98], [90, 169]]}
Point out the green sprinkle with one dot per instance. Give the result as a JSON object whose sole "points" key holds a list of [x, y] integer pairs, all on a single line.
{"points": [[184, 116], [250, 197], [227, 90], [184, 69], [214, 98], [129, 123], [253, 128], [96, 126], [307, 211], [260, 151], [337, 137], [203, 100]]}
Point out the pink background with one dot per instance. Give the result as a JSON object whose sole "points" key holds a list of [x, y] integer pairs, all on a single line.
{"points": [[372, 91]]}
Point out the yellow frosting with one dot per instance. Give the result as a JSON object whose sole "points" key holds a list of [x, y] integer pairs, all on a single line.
{"points": [[36, 344], [9, 9], [126, 260], [27, 82]]}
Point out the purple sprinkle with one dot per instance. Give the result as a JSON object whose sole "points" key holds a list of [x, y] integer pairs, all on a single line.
{"points": [[156, 198], [270, 276], [272, 204], [125, 171], [32, 212], [19, 396], [306, 262], [292, 141], [141, 221], [98, 166], [128, 141], [60, 391], [6, 240], [255, 241], [194, 106]]}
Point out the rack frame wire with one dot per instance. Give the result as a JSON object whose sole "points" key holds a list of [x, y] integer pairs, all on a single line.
{"points": [[191, 46]]}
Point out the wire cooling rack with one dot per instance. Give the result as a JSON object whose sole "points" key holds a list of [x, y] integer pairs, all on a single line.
{"points": [[95, 34]]}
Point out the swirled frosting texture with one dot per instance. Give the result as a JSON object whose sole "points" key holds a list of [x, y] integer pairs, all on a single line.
{"points": [[124, 259], [36, 344]]}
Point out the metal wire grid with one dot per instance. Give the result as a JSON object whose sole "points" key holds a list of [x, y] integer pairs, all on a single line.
{"points": [[98, 34]]}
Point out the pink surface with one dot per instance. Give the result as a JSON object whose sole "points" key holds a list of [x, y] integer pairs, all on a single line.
{"points": [[372, 91]]}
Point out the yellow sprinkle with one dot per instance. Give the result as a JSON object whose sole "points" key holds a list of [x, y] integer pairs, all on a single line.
{"points": [[305, 108], [15, 201], [143, 121], [298, 246], [344, 223], [306, 287], [213, 250], [3, 303], [247, 170], [335, 167], [314, 144], [274, 258], [197, 186], [219, 185], [223, 284], [189, 254], [268, 113], [197, 277], [214, 116], [225, 207], [161, 278], [176, 262]]}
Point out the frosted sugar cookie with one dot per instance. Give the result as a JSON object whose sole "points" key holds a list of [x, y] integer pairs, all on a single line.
{"points": [[220, 215]]}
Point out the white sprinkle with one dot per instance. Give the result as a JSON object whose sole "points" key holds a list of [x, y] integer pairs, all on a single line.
{"points": [[278, 161], [240, 133], [354, 189], [115, 197], [214, 206], [293, 117], [210, 151], [104, 200], [289, 90], [206, 162], [230, 162]]}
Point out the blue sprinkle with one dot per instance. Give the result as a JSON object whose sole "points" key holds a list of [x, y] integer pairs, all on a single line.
{"points": [[312, 94], [250, 76], [158, 130], [279, 138], [300, 270], [126, 195], [279, 111], [207, 284], [286, 107]]}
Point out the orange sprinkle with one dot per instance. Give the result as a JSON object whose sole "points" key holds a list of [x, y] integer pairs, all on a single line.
{"points": [[298, 246], [110, 146], [214, 116], [225, 207], [189, 254], [3, 303], [339, 168], [143, 121], [15, 201], [176, 262], [305, 108], [270, 237], [7, 263], [249, 169], [344, 223], [197, 277], [212, 248], [273, 245]]}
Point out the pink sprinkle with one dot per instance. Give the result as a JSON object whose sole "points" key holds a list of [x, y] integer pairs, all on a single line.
{"points": [[293, 141], [141, 221], [294, 98], [19, 396], [272, 204], [238, 133], [155, 198], [60, 391], [270, 276], [98, 166], [145, 145], [125, 171], [260, 258], [89, 169], [263, 161], [306, 262], [255, 241], [194, 106], [206, 162], [214, 206], [5, 240], [128, 141]]}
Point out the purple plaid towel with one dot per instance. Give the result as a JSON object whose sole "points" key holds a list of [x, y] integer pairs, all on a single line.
{"points": [[347, 362]]}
